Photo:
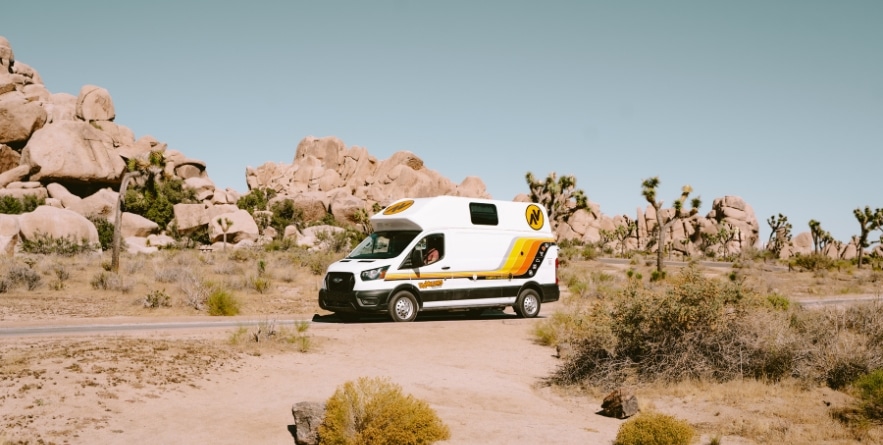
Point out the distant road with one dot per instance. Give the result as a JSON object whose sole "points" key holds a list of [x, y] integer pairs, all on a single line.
{"points": [[130, 327]]}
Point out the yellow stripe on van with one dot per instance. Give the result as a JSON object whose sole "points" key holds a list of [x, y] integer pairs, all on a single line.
{"points": [[518, 261]]}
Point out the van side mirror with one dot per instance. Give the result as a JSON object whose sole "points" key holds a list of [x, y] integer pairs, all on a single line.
{"points": [[416, 258]]}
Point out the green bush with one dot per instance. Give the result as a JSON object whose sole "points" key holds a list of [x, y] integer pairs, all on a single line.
{"points": [[156, 199], [11, 205], [375, 411], [44, 244], [284, 215], [870, 392], [812, 262], [222, 302], [654, 429], [256, 200], [157, 298], [105, 231]]}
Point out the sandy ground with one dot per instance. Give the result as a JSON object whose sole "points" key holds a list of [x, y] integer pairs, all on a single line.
{"points": [[483, 377]]}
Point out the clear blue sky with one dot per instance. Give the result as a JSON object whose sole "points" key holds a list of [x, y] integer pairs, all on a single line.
{"points": [[779, 102]]}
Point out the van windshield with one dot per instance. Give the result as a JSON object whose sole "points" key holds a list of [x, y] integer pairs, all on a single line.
{"points": [[383, 245]]}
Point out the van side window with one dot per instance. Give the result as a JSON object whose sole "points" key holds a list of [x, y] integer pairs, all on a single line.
{"points": [[483, 214]]}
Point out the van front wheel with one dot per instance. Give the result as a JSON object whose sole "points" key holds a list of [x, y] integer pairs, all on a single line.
{"points": [[528, 304], [403, 307]]}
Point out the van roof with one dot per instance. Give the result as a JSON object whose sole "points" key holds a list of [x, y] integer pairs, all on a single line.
{"points": [[442, 212]]}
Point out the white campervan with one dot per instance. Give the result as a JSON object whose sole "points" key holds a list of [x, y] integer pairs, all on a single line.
{"points": [[447, 253]]}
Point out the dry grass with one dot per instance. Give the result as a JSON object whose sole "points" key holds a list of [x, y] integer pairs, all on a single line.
{"points": [[120, 371], [741, 410]]}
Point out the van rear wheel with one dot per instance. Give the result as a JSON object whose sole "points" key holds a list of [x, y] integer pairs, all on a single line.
{"points": [[528, 304], [403, 307]]}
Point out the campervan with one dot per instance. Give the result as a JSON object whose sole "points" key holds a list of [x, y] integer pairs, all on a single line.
{"points": [[447, 253]]}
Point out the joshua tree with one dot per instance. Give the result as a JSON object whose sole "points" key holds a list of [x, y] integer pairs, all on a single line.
{"points": [[225, 224], [868, 221], [648, 189], [558, 195], [623, 232], [780, 236], [820, 237]]}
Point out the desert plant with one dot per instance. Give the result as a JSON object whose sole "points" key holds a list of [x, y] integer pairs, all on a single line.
{"points": [[18, 274], [820, 237], [221, 301], [11, 205], [157, 298], [868, 221], [780, 234], [376, 411], [256, 200], [110, 281], [45, 244], [225, 224], [654, 429], [664, 222], [105, 231], [869, 389], [284, 214], [559, 196]]}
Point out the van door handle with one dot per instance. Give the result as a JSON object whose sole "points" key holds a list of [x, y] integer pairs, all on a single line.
{"points": [[446, 267]]}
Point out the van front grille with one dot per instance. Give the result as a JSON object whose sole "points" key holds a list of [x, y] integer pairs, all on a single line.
{"points": [[340, 281]]}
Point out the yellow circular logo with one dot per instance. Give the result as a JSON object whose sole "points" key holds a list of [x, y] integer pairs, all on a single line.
{"points": [[534, 217], [398, 207]]}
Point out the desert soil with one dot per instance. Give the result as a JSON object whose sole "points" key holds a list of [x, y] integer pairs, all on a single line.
{"points": [[482, 376]]}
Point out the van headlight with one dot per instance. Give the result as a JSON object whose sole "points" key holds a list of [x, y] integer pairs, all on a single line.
{"points": [[374, 274]]}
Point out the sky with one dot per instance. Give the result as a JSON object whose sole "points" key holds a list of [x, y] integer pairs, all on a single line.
{"points": [[777, 102]]}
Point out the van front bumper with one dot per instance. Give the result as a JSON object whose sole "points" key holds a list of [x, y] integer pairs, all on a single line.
{"points": [[354, 301]]}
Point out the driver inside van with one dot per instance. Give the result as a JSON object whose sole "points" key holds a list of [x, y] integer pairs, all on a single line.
{"points": [[432, 253]]}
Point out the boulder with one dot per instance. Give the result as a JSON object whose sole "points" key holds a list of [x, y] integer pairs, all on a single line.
{"points": [[62, 194], [160, 241], [9, 229], [101, 204], [239, 225], [134, 225], [142, 148], [344, 207], [19, 119], [310, 236], [9, 158], [16, 190], [203, 187], [95, 104], [310, 205], [61, 107], [7, 56], [620, 404], [58, 224], [307, 418], [14, 174], [190, 217], [70, 151], [137, 244]]}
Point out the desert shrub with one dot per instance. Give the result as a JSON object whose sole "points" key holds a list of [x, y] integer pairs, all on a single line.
{"points": [[778, 302], [110, 281], [105, 231], [195, 290], [375, 411], [812, 262], [17, 274], [689, 326], [654, 429], [155, 200], [261, 284], [61, 276], [11, 205], [221, 301], [45, 244], [316, 261], [157, 298], [256, 200], [869, 389], [285, 214]]}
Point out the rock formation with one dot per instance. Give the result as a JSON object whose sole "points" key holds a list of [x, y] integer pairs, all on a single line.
{"points": [[70, 151]]}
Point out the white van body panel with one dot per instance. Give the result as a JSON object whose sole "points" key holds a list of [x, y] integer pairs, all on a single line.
{"points": [[492, 252]]}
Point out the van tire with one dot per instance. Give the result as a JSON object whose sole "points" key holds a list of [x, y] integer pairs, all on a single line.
{"points": [[528, 304], [403, 307]]}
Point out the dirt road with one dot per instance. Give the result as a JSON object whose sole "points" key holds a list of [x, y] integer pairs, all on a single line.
{"points": [[483, 377]]}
